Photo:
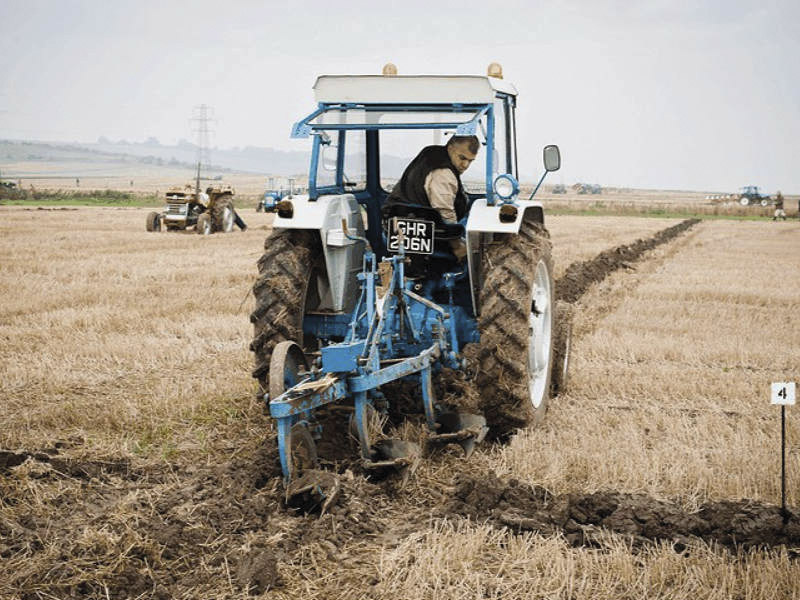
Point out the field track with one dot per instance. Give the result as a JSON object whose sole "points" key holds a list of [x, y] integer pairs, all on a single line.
{"points": [[557, 512]]}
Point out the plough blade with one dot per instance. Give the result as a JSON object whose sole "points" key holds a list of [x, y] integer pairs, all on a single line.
{"points": [[464, 429], [314, 488], [400, 455]]}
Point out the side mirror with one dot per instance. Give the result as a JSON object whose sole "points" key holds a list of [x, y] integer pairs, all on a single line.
{"points": [[552, 158], [329, 156]]}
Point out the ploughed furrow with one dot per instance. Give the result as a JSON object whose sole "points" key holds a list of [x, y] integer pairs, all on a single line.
{"points": [[580, 275], [579, 517]]}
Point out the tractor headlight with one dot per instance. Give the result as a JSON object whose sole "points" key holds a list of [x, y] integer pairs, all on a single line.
{"points": [[285, 209], [505, 186]]}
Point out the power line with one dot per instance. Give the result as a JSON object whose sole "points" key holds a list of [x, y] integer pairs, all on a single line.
{"points": [[202, 116]]}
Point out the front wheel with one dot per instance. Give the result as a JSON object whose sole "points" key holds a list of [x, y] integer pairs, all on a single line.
{"points": [[153, 222], [515, 354], [203, 226]]}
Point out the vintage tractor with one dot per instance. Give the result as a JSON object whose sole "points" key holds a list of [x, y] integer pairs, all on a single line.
{"points": [[209, 212], [588, 188], [344, 308]]}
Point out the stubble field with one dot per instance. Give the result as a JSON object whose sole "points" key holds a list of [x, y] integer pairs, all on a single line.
{"points": [[137, 460]]}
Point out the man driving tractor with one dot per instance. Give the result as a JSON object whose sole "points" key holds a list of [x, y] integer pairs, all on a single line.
{"points": [[433, 179]]}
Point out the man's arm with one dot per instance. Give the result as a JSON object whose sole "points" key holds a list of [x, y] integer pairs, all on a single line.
{"points": [[441, 186]]}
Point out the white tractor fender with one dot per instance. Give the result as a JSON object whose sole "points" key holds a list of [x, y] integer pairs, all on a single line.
{"points": [[343, 256], [485, 219]]}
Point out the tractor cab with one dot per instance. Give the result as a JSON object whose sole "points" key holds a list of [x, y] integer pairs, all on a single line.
{"points": [[364, 132], [366, 129]]}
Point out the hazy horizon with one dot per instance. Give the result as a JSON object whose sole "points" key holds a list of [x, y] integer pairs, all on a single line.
{"points": [[658, 94]]}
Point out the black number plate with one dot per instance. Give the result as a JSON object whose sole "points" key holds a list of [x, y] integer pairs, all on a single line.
{"points": [[417, 236]]}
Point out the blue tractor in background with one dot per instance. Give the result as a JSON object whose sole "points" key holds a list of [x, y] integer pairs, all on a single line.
{"points": [[750, 195], [273, 195], [350, 301]]}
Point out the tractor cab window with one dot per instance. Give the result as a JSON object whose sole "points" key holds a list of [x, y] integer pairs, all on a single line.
{"points": [[354, 176], [342, 165], [503, 139], [328, 159], [399, 147], [474, 178]]}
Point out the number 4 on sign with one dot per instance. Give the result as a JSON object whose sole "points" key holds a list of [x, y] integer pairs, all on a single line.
{"points": [[783, 393]]}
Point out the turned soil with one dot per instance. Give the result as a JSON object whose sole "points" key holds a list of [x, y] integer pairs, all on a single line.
{"points": [[76, 528]]}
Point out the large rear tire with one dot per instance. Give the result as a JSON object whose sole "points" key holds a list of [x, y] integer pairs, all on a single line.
{"points": [[222, 215], [282, 294], [515, 354]]}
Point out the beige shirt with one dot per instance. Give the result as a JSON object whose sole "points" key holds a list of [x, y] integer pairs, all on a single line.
{"points": [[441, 186]]}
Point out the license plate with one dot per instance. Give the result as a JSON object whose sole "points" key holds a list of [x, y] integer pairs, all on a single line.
{"points": [[417, 236]]}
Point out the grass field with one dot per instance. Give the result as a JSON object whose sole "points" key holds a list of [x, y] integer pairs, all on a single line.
{"points": [[125, 374]]}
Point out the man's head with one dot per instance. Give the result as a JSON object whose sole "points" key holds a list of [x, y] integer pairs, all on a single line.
{"points": [[462, 150]]}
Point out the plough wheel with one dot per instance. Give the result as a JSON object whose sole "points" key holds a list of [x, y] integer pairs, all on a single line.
{"points": [[296, 446], [285, 364]]}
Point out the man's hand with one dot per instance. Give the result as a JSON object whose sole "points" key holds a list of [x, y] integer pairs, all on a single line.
{"points": [[459, 248]]}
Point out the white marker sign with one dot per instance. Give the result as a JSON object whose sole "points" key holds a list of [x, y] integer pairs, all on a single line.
{"points": [[783, 392]]}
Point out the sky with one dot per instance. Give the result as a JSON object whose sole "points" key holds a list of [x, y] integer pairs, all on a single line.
{"points": [[665, 94]]}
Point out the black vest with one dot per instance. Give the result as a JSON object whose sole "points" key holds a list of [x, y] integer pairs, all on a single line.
{"points": [[411, 187]]}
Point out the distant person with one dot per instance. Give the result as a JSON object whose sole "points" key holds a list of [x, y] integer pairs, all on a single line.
{"points": [[779, 212], [433, 179], [77, 182]]}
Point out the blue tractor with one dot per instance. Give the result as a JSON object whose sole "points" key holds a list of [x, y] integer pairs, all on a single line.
{"points": [[269, 201], [350, 300], [751, 196]]}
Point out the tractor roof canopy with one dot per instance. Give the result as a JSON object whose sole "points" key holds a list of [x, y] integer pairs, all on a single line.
{"points": [[402, 102], [461, 104], [410, 89]]}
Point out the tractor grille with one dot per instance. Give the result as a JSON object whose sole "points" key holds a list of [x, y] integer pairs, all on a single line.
{"points": [[177, 209]]}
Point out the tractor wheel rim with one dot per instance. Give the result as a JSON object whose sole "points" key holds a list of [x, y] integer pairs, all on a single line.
{"points": [[540, 335]]}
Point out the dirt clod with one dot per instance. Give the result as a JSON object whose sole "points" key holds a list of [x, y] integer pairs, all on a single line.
{"points": [[258, 572]]}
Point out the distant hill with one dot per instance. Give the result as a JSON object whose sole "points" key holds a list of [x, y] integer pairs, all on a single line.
{"points": [[20, 158], [249, 159]]}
